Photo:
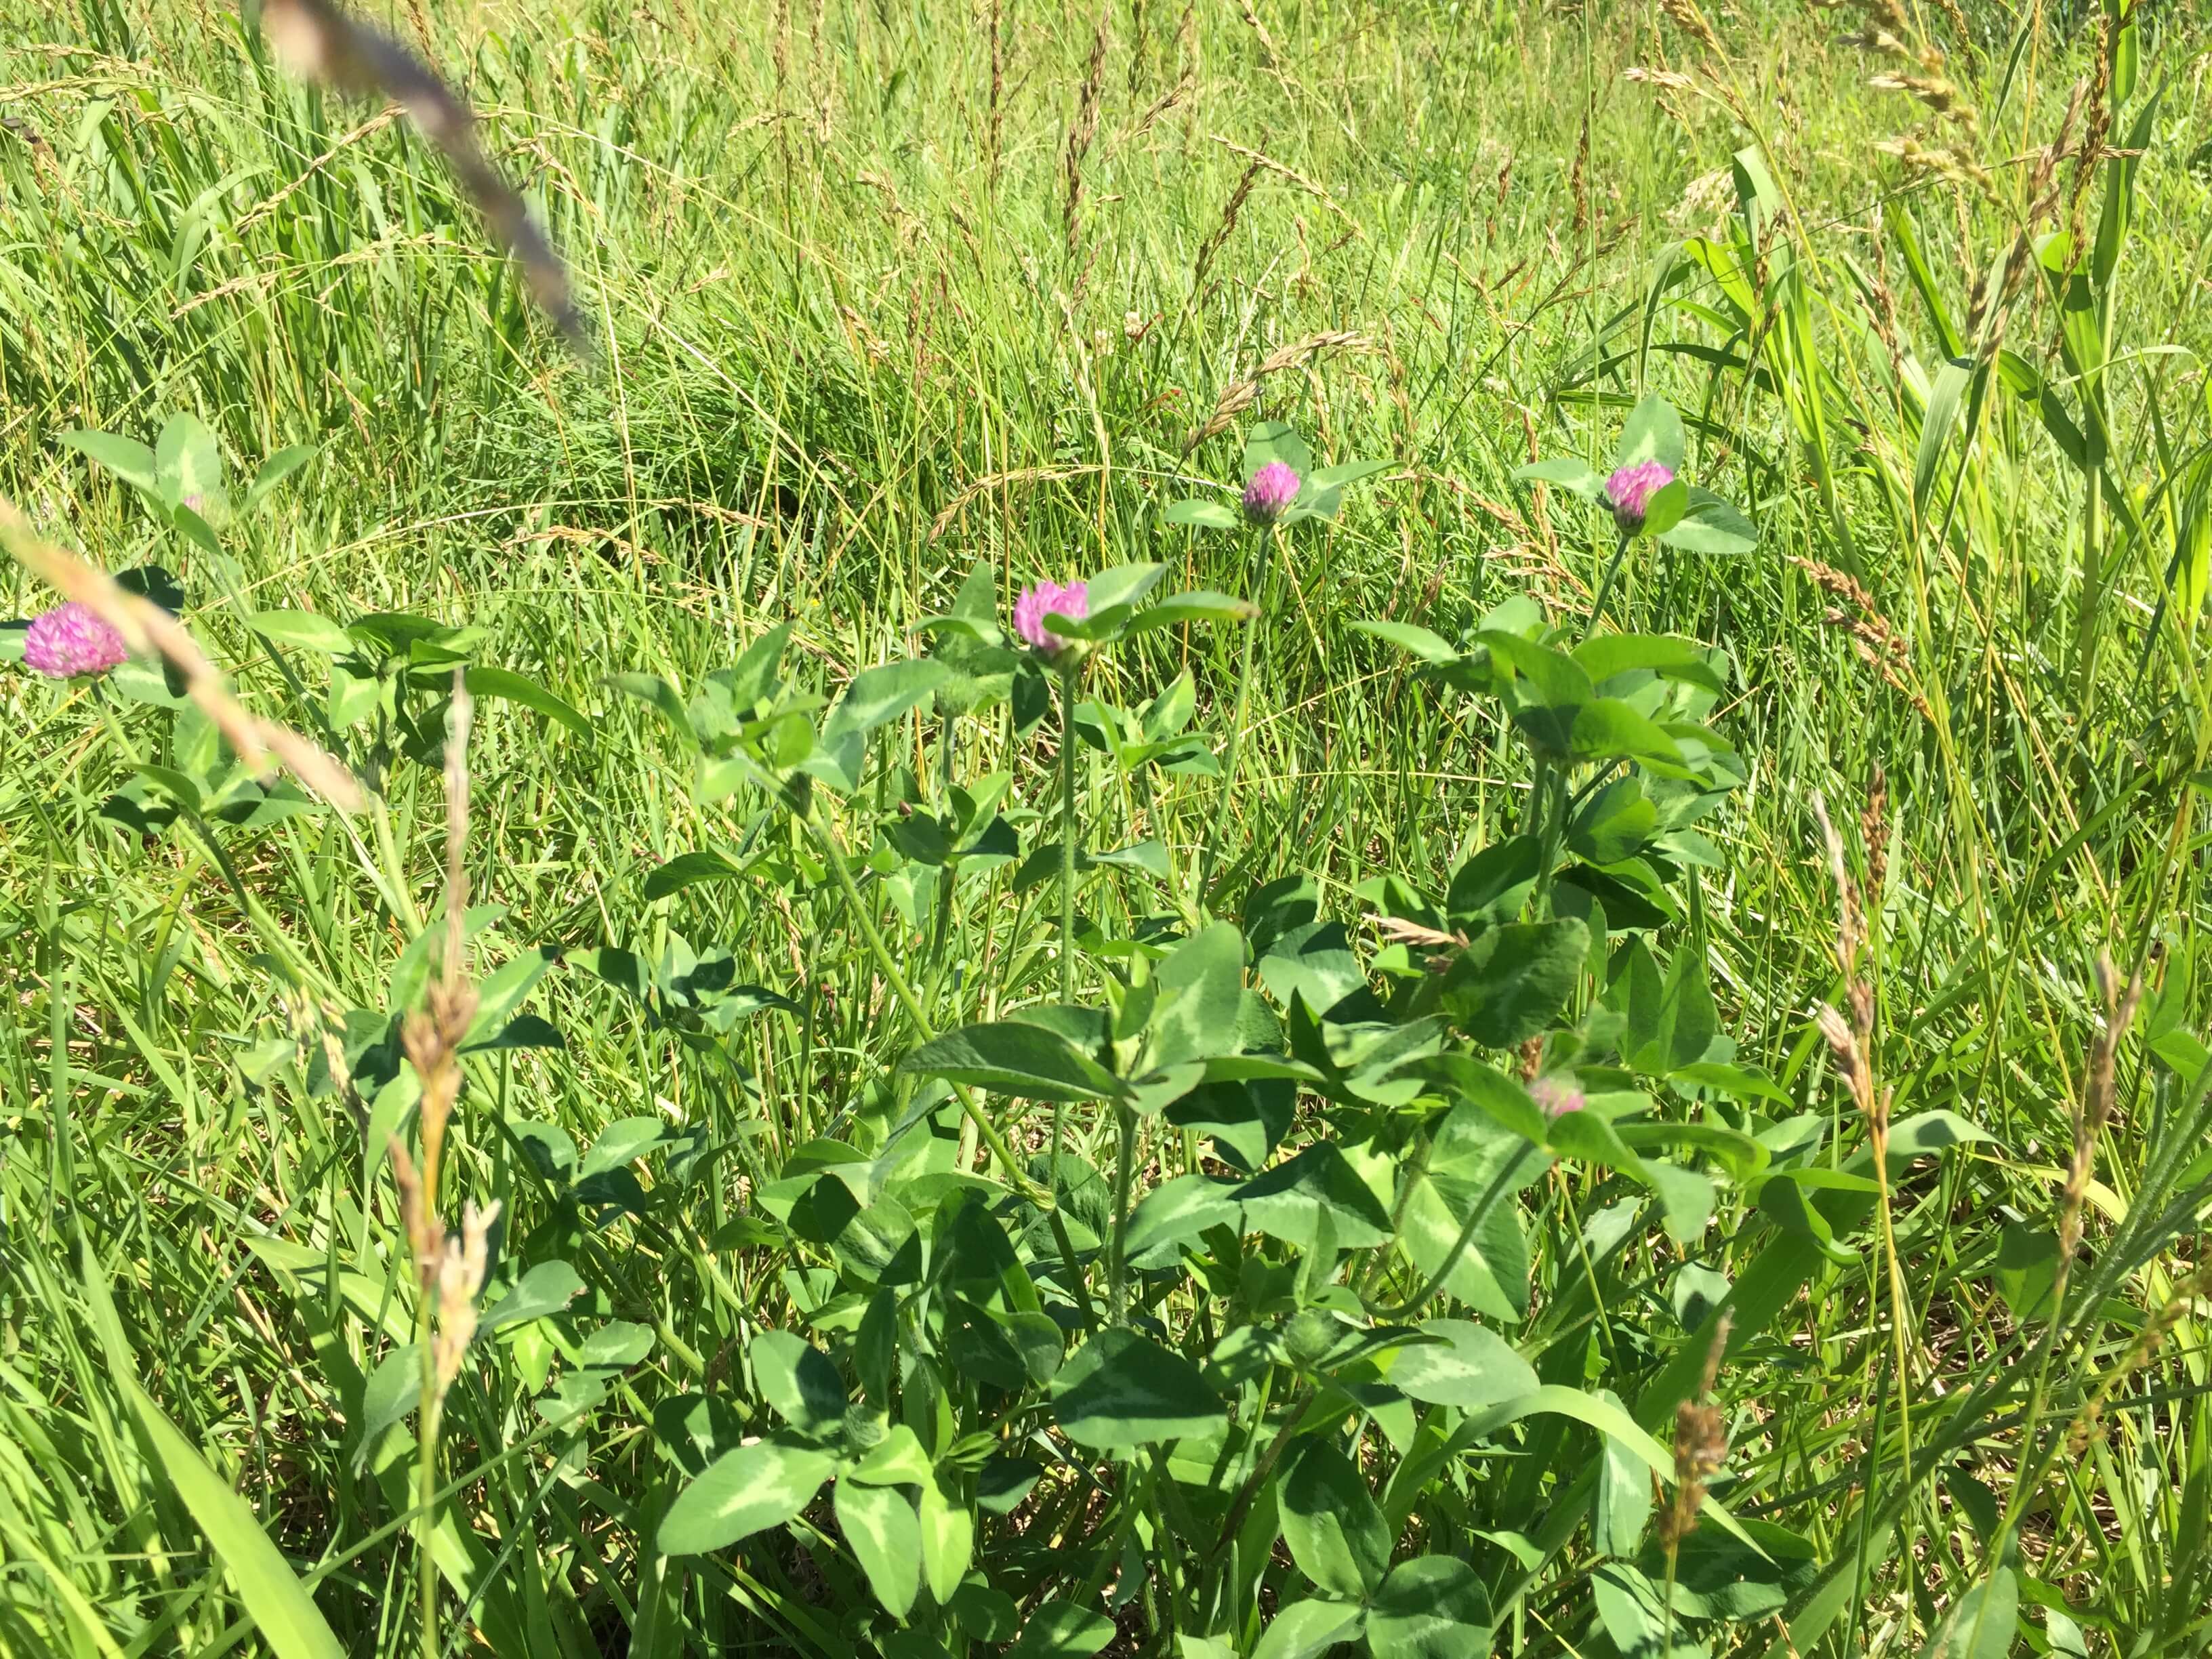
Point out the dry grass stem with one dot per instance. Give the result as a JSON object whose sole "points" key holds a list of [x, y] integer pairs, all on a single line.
{"points": [[321, 43], [1245, 392]]}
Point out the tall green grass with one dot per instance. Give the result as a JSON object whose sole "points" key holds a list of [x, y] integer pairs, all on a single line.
{"points": [[854, 334]]}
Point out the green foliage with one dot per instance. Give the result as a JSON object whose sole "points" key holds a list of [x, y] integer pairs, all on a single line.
{"points": [[1326, 1145]]}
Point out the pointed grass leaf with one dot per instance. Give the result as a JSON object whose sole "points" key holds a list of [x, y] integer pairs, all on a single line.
{"points": [[487, 682], [1120, 1389], [1935, 424], [762, 1485], [282, 1613]]}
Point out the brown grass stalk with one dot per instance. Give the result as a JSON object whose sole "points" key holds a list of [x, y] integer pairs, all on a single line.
{"points": [[1243, 394]]}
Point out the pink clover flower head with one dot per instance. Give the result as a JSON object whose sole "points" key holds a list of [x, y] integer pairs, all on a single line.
{"points": [[1630, 491], [1555, 1096], [1046, 600], [70, 640], [1272, 488]]}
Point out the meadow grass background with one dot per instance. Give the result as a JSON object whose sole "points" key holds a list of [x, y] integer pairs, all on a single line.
{"points": [[855, 332]]}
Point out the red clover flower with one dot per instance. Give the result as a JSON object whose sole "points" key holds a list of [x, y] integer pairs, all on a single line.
{"points": [[1272, 488], [1046, 600], [1630, 491], [70, 639], [1555, 1096]]}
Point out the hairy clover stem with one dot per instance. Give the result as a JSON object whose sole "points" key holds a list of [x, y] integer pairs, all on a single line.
{"points": [[1260, 547]]}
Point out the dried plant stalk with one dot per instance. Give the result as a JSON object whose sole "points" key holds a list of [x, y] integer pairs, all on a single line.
{"points": [[1241, 396], [1222, 231], [1080, 132], [1875, 638], [450, 1268], [1282, 170], [321, 43], [1700, 1448]]}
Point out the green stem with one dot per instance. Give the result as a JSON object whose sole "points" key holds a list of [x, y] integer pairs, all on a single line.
{"points": [[1252, 1482], [887, 964], [1124, 1160], [1449, 1264], [1551, 776], [2086, 632], [1605, 584], [1068, 854], [1068, 860], [395, 872], [941, 923], [1252, 630], [426, 1483]]}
